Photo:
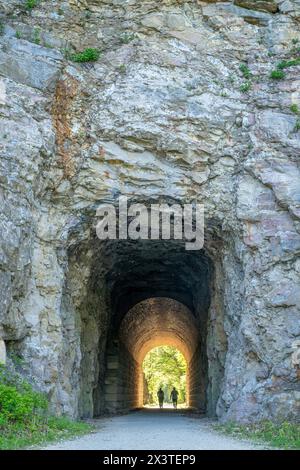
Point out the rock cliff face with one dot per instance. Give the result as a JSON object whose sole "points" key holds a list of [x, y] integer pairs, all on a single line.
{"points": [[180, 106]]}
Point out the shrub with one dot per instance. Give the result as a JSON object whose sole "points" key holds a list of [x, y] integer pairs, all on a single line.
{"points": [[297, 126], [18, 401], [88, 55], [277, 75], [1, 28], [19, 406]]}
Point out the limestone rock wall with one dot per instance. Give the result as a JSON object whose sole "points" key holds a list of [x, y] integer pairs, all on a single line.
{"points": [[167, 111]]}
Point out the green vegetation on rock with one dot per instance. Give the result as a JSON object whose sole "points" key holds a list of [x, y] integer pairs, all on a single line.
{"points": [[37, 36], [245, 87], [245, 71], [277, 75], [294, 108], [122, 68], [88, 55], [297, 126], [126, 38], [288, 63], [24, 416], [30, 4]]}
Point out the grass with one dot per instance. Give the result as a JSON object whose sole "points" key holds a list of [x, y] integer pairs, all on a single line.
{"points": [[283, 436], [18, 436], [288, 63], [277, 75], [88, 55]]}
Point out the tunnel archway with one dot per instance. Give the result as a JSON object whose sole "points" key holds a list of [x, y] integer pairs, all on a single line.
{"points": [[109, 282]]}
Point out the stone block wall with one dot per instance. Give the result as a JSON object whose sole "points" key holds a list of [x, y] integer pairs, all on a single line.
{"points": [[197, 382], [122, 381]]}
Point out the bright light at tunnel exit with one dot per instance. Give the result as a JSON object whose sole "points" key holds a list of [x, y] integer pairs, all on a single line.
{"points": [[164, 367]]}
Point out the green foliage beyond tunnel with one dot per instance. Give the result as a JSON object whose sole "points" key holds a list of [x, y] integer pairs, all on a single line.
{"points": [[165, 367]]}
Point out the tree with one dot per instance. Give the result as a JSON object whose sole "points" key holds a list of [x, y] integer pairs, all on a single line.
{"points": [[165, 367]]}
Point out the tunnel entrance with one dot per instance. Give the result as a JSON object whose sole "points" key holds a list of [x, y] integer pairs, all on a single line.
{"points": [[132, 296]]}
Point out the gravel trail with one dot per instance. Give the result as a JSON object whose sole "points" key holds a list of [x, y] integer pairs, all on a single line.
{"points": [[152, 429]]}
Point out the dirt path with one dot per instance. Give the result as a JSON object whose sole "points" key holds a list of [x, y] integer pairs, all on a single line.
{"points": [[150, 429]]}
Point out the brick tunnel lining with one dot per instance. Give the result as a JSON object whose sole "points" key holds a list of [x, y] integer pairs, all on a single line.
{"points": [[157, 322]]}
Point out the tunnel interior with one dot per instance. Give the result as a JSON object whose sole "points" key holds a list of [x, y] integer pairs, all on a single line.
{"points": [[130, 296], [156, 322]]}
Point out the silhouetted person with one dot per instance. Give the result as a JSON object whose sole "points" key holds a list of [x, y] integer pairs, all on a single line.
{"points": [[160, 396], [174, 397]]}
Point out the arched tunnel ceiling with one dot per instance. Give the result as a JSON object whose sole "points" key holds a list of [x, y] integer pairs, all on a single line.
{"points": [[138, 270], [159, 321]]}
